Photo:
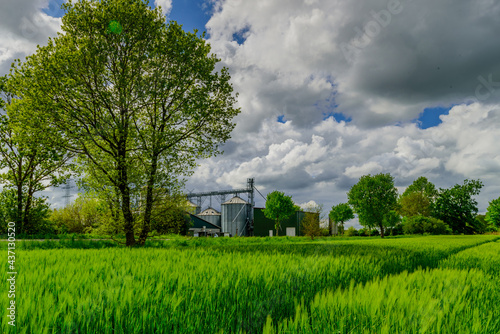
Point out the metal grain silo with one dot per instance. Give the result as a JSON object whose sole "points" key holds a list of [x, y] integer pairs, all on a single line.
{"points": [[211, 215], [235, 215]]}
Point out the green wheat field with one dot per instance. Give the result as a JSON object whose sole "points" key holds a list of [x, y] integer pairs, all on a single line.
{"points": [[430, 284]]}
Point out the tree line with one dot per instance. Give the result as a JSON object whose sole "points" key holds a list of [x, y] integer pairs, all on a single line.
{"points": [[420, 209]]}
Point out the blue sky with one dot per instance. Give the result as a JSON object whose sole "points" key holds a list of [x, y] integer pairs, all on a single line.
{"points": [[191, 14], [332, 90]]}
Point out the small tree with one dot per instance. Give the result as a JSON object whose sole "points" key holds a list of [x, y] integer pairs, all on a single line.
{"points": [[417, 199], [279, 207], [391, 220], [493, 213], [372, 198], [31, 156], [341, 213], [414, 204], [310, 222]]}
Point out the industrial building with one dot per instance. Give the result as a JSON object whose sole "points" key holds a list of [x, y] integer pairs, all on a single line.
{"points": [[237, 216]]}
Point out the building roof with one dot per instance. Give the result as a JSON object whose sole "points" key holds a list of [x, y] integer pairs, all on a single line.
{"points": [[235, 200], [209, 212], [199, 223]]}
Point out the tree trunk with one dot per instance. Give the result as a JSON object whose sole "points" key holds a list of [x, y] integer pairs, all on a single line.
{"points": [[19, 213], [27, 208], [128, 226], [381, 231], [124, 188], [149, 201]]}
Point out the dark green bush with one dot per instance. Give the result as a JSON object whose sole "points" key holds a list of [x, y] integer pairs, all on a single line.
{"points": [[420, 225]]}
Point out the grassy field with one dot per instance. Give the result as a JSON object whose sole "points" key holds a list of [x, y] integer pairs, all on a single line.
{"points": [[433, 284]]}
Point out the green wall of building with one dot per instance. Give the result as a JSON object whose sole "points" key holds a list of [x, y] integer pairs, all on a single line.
{"points": [[262, 225]]}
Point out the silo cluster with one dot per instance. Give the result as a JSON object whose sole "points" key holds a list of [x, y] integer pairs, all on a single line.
{"points": [[211, 215], [234, 218]]}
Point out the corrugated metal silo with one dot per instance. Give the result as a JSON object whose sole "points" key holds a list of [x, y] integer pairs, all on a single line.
{"points": [[211, 215], [234, 216]]}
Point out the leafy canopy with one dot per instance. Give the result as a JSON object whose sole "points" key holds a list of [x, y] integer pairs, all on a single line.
{"points": [[279, 207], [341, 213], [310, 222], [139, 100], [457, 207], [373, 198], [417, 199], [493, 212]]}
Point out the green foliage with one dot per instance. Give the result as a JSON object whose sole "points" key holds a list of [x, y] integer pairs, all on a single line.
{"points": [[481, 225], [325, 232], [38, 221], [417, 199], [351, 232], [373, 198], [493, 213], [3, 80], [422, 224], [31, 156], [279, 207], [311, 220], [170, 216], [457, 207], [368, 232], [392, 220], [424, 187], [341, 213], [414, 204], [139, 100], [85, 215]]}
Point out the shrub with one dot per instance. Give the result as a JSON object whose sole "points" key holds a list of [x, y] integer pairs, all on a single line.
{"points": [[351, 232], [420, 225], [310, 225], [81, 216]]}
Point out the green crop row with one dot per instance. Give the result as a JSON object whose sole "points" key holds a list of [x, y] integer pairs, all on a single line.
{"points": [[436, 301], [485, 257], [459, 297], [212, 286]]}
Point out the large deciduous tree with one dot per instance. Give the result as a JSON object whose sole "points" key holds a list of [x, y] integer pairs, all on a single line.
{"points": [[341, 213], [279, 207], [457, 207], [373, 198], [139, 100]]}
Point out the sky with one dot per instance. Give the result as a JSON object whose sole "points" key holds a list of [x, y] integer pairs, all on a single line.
{"points": [[331, 90]]}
